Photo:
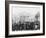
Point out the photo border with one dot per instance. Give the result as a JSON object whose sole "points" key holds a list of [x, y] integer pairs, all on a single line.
{"points": [[7, 18]]}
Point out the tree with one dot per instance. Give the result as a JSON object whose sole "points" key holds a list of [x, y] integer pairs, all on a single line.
{"points": [[37, 16]]}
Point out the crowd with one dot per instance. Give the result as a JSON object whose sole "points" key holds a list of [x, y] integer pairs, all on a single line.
{"points": [[26, 26]]}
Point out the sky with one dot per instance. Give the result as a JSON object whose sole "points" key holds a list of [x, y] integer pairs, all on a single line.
{"points": [[18, 11]]}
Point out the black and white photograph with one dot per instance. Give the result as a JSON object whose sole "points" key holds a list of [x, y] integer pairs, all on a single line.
{"points": [[25, 18]]}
